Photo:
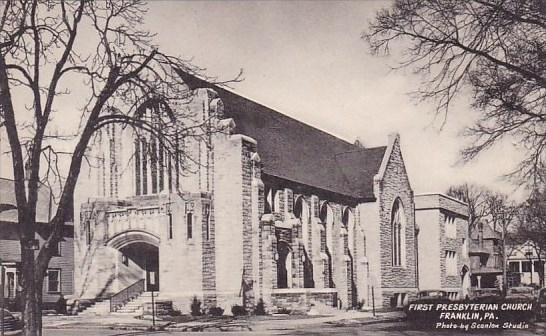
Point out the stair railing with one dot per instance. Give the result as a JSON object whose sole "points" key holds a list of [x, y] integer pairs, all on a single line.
{"points": [[125, 295]]}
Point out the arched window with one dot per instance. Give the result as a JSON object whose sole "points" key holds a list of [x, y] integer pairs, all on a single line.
{"points": [[326, 216], [301, 211], [276, 200], [349, 224], [398, 224]]}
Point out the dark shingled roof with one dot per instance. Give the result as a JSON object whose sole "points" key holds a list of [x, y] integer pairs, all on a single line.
{"points": [[44, 207], [295, 151]]}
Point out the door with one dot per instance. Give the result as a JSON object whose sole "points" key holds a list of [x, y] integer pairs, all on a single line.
{"points": [[152, 273]]}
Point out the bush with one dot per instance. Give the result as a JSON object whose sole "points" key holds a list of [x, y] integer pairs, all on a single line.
{"points": [[260, 308], [216, 311], [175, 312], [196, 307], [360, 304], [237, 310]]}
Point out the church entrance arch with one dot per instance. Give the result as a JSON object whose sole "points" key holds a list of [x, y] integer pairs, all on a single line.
{"points": [[139, 259]]}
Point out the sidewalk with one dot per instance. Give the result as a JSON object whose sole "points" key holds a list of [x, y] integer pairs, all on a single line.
{"points": [[250, 323], [341, 318]]}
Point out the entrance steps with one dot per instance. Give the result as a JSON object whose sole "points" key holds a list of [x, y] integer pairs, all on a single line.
{"points": [[135, 306], [99, 307]]}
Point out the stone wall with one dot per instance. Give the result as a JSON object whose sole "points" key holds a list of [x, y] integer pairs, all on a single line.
{"points": [[300, 300], [392, 185]]}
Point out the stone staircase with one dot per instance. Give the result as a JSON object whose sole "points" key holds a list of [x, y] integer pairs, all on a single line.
{"points": [[99, 307], [135, 306]]}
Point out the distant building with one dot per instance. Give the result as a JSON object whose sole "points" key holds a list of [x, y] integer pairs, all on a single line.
{"points": [[59, 276], [442, 239], [523, 259], [485, 252]]}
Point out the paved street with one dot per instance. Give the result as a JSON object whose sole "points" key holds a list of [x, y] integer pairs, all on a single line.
{"points": [[351, 327]]}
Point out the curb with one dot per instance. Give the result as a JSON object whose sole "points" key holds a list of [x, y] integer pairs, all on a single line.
{"points": [[369, 321]]}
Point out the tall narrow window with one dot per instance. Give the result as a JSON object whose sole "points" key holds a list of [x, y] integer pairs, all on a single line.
{"points": [[398, 236], [153, 163], [170, 173], [144, 167], [177, 157], [207, 221], [348, 223], [161, 169], [189, 225], [137, 167]]}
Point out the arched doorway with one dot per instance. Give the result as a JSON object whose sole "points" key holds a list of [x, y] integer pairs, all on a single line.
{"points": [[143, 258], [139, 259]]}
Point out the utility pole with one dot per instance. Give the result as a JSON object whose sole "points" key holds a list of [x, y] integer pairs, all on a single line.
{"points": [[2, 297]]}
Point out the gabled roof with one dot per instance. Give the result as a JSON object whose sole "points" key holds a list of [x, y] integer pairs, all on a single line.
{"points": [[298, 152], [44, 207]]}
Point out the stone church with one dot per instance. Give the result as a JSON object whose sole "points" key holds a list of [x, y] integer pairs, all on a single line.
{"points": [[274, 209]]}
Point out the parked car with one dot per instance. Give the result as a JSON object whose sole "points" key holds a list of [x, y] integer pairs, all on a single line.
{"points": [[541, 303], [9, 322], [522, 294], [425, 298], [485, 295], [436, 296]]}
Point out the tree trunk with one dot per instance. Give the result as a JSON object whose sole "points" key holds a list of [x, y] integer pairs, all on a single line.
{"points": [[32, 312]]}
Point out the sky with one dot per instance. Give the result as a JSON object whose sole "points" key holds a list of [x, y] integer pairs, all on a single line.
{"points": [[307, 60]]}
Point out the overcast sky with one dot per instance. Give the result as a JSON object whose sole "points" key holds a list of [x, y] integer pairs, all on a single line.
{"points": [[307, 60]]}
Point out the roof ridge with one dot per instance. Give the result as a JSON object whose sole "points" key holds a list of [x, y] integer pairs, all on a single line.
{"points": [[356, 150], [233, 92]]}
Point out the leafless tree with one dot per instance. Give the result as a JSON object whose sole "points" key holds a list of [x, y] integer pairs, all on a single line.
{"points": [[476, 197], [52, 52], [531, 227], [494, 48]]}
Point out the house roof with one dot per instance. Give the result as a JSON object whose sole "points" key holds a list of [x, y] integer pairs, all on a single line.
{"points": [[488, 232], [298, 152], [8, 213]]}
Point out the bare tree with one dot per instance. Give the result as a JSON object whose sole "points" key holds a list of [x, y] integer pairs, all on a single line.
{"points": [[52, 52], [476, 198], [495, 48], [531, 227]]}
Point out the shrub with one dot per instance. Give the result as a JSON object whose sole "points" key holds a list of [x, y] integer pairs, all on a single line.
{"points": [[260, 308], [175, 312], [216, 311], [360, 304], [196, 307], [237, 310]]}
